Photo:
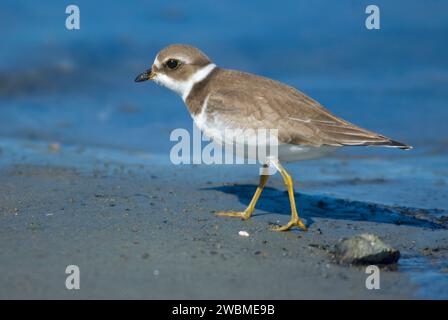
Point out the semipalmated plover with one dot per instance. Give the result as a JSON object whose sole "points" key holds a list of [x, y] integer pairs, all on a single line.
{"points": [[220, 99]]}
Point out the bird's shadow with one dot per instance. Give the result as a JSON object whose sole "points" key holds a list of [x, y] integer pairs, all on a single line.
{"points": [[316, 206]]}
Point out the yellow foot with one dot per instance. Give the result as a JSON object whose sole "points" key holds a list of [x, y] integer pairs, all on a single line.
{"points": [[238, 214], [291, 224]]}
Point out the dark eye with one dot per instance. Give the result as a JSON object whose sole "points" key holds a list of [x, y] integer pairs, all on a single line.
{"points": [[172, 64]]}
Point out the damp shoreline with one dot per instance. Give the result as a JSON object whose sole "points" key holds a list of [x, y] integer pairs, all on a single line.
{"points": [[142, 229]]}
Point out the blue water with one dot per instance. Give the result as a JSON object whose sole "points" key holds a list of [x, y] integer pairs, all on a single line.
{"points": [[429, 274], [76, 87]]}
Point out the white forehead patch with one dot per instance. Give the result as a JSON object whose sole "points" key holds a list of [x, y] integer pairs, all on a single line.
{"points": [[157, 62], [183, 88]]}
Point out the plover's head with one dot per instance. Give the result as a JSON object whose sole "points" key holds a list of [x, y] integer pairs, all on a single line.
{"points": [[178, 67]]}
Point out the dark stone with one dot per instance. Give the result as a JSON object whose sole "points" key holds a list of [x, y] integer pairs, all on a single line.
{"points": [[365, 249]]}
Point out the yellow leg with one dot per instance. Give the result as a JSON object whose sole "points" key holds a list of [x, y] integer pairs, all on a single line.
{"points": [[251, 207], [295, 220]]}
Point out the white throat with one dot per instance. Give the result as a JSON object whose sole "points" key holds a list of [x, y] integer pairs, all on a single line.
{"points": [[183, 88]]}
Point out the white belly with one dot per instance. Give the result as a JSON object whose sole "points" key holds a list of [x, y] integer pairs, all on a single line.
{"points": [[293, 152], [249, 146]]}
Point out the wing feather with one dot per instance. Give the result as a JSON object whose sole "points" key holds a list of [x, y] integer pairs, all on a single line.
{"points": [[269, 104]]}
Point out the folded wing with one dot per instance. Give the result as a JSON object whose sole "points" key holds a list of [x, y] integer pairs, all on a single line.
{"points": [[299, 119]]}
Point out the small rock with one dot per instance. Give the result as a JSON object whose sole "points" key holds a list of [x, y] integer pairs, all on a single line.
{"points": [[145, 255], [365, 249]]}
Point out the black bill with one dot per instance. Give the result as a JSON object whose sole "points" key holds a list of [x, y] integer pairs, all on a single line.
{"points": [[147, 75]]}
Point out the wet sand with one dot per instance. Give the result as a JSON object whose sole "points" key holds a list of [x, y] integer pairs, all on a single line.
{"points": [[149, 231]]}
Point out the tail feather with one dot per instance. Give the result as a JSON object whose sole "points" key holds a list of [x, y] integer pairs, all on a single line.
{"points": [[389, 143], [397, 144], [347, 134]]}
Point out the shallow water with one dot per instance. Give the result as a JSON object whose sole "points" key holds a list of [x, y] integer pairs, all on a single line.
{"points": [[429, 274]]}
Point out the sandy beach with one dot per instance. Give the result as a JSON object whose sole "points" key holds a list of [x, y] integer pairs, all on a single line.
{"points": [[139, 230]]}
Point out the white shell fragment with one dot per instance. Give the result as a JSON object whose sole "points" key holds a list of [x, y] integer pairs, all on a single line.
{"points": [[243, 233]]}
